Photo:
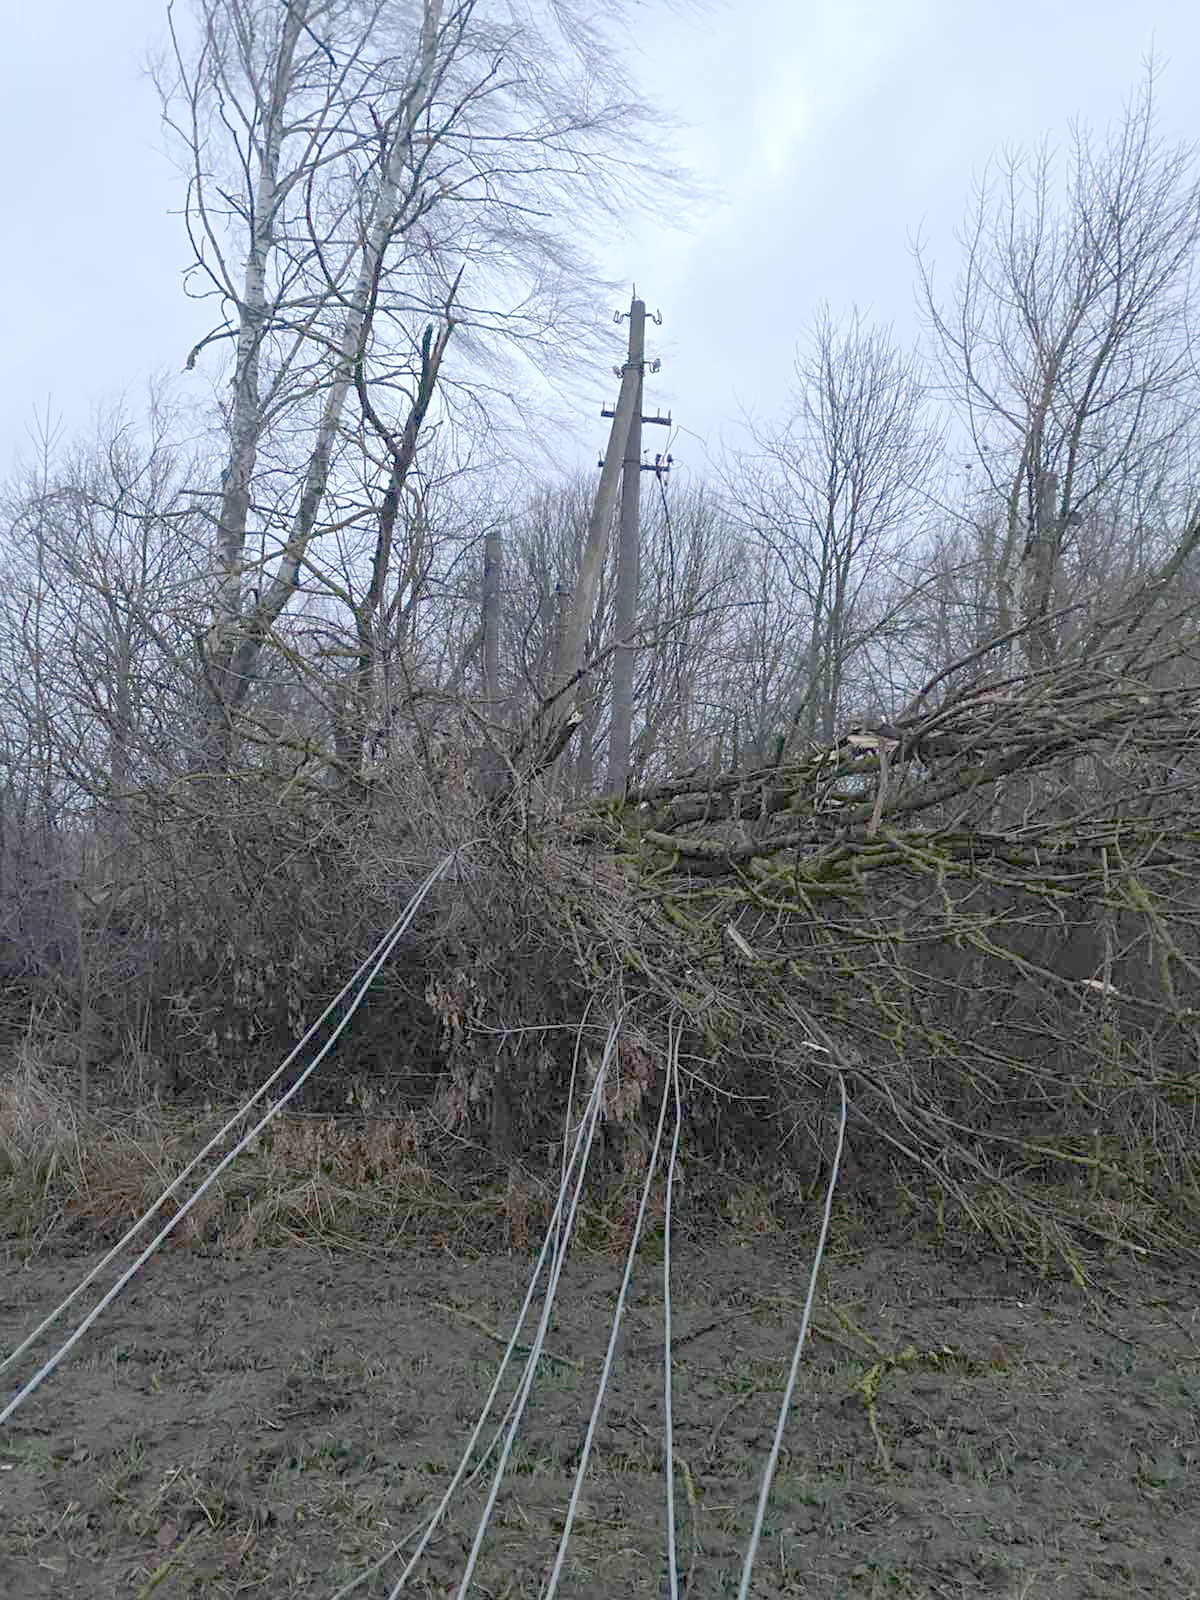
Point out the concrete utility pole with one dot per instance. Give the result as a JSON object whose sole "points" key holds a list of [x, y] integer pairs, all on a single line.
{"points": [[620, 456], [591, 563], [629, 556], [628, 562]]}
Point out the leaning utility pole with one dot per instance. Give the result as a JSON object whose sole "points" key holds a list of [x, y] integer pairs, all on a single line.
{"points": [[591, 562], [564, 714], [628, 561]]}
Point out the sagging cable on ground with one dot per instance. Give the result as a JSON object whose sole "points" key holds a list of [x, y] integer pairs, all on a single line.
{"points": [[398, 927], [574, 1078], [592, 1118], [764, 1493], [668, 1395], [589, 1437], [360, 985], [557, 1240]]}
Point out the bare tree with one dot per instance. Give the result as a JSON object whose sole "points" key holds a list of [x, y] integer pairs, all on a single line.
{"points": [[689, 597], [364, 189], [1064, 346], [101, 595], [836, 493], [762, 674]]}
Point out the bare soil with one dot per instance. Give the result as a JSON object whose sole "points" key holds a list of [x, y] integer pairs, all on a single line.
{"points": [[269, 1425]]}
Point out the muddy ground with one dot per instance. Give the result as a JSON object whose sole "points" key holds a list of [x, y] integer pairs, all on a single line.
{"points": [[269, 1425]]}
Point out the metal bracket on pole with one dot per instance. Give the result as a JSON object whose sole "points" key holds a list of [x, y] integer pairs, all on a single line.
{"points": [[663, 422], [654, 316]]}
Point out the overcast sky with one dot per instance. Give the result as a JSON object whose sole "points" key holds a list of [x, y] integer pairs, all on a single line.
{"points": [[834, 131]]}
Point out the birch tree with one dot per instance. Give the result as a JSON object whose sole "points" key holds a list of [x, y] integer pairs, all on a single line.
{"points": [[370, 185]]}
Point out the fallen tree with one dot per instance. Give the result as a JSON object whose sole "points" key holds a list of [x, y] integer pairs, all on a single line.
{"points": [[983, 915]]}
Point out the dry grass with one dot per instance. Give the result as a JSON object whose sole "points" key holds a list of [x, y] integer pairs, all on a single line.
{"points": [[42, 1141], [357, 1183], [347, 1182]]}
